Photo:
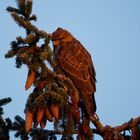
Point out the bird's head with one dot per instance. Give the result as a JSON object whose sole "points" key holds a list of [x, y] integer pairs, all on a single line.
{"points": [[60, 37]]}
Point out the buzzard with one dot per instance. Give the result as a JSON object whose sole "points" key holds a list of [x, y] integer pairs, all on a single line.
{"points": [[74, 61]]}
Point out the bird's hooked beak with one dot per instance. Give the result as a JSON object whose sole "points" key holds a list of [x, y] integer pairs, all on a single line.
{"points": [[56, 46], [55, 43]]}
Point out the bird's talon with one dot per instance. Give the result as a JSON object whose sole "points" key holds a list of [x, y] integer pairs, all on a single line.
{"points": [[61, 77]]}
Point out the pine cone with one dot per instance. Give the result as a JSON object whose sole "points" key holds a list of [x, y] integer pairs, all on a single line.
{"points": [[54, 111], [43, 122], [48, 114], [29, 120], [39, 114], [30, 79]]}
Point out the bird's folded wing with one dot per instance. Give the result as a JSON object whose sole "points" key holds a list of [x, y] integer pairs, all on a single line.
{"points": [[77, 63]]}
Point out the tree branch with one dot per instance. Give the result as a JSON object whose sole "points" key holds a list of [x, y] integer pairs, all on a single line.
{"points": [[128, 125]]}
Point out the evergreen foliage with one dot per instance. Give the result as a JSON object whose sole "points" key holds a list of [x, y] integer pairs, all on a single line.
{"points": [[51, 99]]}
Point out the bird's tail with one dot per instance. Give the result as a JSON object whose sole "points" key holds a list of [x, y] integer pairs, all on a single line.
{"points": [[89, 103], [94, 103]]}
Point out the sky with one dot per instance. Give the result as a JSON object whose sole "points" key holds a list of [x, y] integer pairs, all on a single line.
{"points": [[110, 31]]}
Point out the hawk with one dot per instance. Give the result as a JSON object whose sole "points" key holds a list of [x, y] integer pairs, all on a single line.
{"points": [[74, 61]]}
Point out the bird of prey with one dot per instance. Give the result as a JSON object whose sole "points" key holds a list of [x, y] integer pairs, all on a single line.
{"points": [[74, 61]]}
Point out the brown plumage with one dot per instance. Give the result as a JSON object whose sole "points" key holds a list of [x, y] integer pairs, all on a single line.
{"points": [[74, 61]]}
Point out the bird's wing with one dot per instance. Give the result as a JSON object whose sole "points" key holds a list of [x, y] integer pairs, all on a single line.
{"points": [[76, 62]]}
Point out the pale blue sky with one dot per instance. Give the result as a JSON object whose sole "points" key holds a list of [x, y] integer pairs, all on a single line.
{"points": [[109, 29]]}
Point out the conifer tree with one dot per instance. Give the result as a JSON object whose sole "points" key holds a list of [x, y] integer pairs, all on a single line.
{"points": [[49, 100]]}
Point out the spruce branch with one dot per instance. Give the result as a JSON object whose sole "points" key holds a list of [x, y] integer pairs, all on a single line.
{"points": [[21, 5], [28, 10], [128, 125], [28, 26], [12, 9], [97, 123], [33, 17], [53, 93], [5, 101], [120, 128]]}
